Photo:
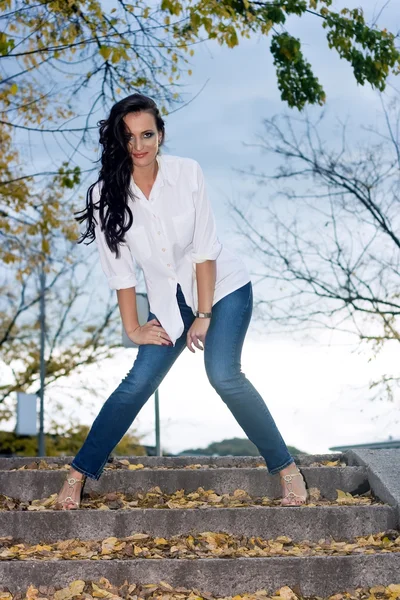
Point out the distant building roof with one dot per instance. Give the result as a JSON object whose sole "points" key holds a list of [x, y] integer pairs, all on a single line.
{"points": [[390, 443]]}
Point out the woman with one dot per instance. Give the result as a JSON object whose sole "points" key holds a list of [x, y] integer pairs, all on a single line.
{"points": [[159, 217]]}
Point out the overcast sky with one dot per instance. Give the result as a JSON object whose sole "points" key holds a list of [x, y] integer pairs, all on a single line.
{"points": [[317, 392]]}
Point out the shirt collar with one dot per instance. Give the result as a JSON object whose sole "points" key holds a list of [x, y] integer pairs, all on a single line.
{"points": [[168, 169], [167, 172]]}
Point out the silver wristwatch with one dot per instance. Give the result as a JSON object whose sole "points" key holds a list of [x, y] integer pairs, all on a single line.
{"points": [[203, 315]]}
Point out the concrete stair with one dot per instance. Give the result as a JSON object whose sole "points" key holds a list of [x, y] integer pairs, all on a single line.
{"points": [[360, 472]]}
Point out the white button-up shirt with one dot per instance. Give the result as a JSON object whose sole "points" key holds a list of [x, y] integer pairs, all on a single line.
{"points": [[171, 231]]}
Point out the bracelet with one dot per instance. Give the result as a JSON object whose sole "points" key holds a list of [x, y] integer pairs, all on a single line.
{"points": [[203, 315]]}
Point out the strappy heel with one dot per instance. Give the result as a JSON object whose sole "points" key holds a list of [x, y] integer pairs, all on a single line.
{"points": [[72, 481], [288, 479]]}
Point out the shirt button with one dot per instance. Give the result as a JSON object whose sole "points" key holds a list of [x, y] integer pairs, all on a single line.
{"points": [[163, 249], [159, 232], [168, 265]]}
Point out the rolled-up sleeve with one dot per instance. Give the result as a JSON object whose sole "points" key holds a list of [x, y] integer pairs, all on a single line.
{"points": [[206, 245], [120, 272]]}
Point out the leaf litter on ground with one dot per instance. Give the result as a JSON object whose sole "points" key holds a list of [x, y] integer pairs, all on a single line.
{"points": [[198, 499], [207, 544], [103, 588], [117, 464], [155, 498]]}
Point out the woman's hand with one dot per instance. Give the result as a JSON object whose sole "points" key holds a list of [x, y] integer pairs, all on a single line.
{"points": [[197, 332], [148, 334]]}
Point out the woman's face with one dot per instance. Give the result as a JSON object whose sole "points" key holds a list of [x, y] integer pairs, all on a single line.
{"points": [[144, 137]]}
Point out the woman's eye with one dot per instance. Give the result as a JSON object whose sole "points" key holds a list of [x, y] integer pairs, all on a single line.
{"points": [[149, 134]]}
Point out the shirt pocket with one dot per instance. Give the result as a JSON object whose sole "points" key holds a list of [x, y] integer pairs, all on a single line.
{"points": [[139, 242], [184, 227]]}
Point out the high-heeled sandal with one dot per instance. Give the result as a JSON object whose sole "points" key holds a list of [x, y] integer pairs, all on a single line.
{"points": [[72, 481], [288, 479]]}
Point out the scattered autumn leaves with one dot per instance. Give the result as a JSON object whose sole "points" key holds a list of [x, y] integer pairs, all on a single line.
{"points": [[116, 464], [201, 498], [155, 498], [103, 588], [207, 544]]}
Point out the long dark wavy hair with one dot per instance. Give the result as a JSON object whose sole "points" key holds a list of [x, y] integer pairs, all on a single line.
{"points": [[115, 173]]}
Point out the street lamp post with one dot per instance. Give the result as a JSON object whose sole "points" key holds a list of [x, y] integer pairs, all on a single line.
{"points": [[42, 318], [157, 420]]}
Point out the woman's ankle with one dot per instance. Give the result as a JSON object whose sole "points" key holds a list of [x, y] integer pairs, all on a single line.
{"points": [[292, 468], [74, 473]]}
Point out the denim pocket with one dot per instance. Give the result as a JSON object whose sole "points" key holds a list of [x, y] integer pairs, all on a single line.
{"points": [[151, 316]]}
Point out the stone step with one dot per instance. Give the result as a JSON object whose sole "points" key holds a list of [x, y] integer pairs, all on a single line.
{"points": [[318, 575], [33, 484], [311, 575], [299, 522], [177, 461]]}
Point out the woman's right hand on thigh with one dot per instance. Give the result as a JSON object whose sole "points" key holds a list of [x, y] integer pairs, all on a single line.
{"points": [[148, 334]]}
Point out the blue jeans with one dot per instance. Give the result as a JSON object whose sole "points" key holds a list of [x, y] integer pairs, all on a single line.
{"points": [[222, 351]]}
